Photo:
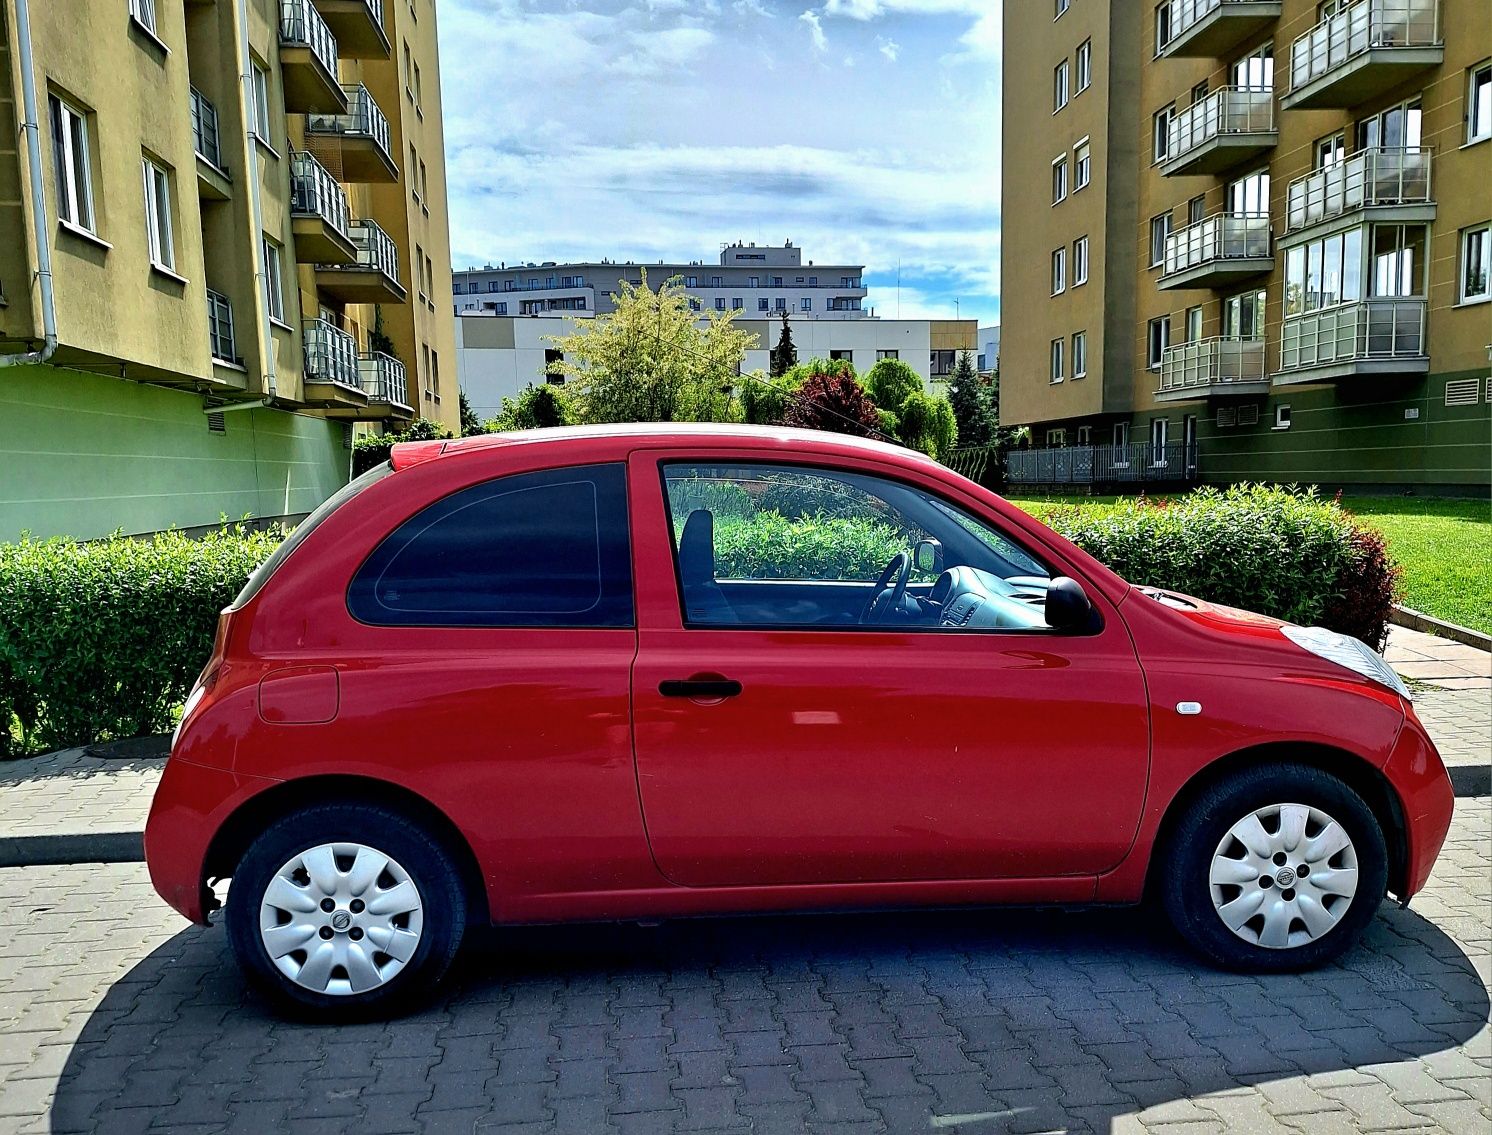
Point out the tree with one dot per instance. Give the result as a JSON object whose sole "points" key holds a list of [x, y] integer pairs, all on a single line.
{"points": [[784, 355], [890, 381], [470, 426], [835, 403], [648, 361], [537, 407], [975, 405]]}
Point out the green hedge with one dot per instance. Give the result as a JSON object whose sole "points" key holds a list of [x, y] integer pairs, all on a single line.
{"points": [[103, 640]]}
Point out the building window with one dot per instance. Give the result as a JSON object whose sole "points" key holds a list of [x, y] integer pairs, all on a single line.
{"points": [[841, 356], [73, 171], [880, 354], [259, 84], [753, 281], [1085, 433], [1160, 229], [1479, 103], [1056, 438], [1059, 271], [1194, 324], [158, 236], [1158, 338], [1323, 273], [1059, 87], [1162, 26], [691, 281], [779, 304], [1160, 430], [719, 303], [414, 182], [1282, 417], [714, 281], [1079, 354], [1199, 92], [805, 304], [941, 363], [274, 292], [1059, 180], [1398, 260], [763, 305], [144, 13], [737, 304], [1196, 208], [1121, 435], [419, 278], [1085, 65], [1056, 360], [1476, 257], [1080, 261], [1082, 166], [1062, 6], [1161, 132]]}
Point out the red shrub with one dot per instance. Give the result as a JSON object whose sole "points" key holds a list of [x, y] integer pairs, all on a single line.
{"points": [[1367, 585], [833, 402]]}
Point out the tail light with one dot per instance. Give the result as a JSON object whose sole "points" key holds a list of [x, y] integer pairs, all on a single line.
{"points": [[209, 676]]}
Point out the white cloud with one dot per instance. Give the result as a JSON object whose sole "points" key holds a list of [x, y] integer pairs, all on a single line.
{"points": [[815, 30], [888, 47]]}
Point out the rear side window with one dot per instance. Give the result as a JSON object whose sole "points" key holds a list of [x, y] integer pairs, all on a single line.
{"points": [[547, 549]]}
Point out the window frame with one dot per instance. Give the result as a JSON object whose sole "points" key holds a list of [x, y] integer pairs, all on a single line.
{"points": [[259, 90], [1083, 66], [1056, 361], [1079, 354], [1160, 133], [160, 227], [1082, 164], [1167, 227], [1080, 261], [71, 158], [274, 279], [143, 13], [1059, 180], [1153, 358], [1484, 232], [1059, 270], [1478, 118], [1061, 86]]}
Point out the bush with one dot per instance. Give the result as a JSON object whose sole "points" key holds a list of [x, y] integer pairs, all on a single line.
{"points": [[890, 382], [772, 546], [1277, 551], [536, 407], [103, 640], [832, 402]]}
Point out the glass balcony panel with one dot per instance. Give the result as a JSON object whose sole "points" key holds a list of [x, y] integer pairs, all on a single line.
{"points": [[315, 192], [331, 354], [1358, 332]]}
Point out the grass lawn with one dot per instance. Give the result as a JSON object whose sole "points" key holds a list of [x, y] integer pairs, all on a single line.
{"points": [[1444, 547]]}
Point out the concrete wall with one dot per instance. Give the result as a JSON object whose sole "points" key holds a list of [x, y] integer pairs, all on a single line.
{"points": [[84, 455]]}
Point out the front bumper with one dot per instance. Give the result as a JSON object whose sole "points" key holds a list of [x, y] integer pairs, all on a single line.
{"points": [[1418, 775]]}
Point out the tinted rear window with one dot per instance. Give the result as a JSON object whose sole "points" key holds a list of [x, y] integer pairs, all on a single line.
{"points": [[547, 549]]}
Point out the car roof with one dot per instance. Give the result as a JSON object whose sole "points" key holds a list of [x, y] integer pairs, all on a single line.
{"points": [[769, 438]]}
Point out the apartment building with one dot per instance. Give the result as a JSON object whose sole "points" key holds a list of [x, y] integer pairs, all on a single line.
{"points": [[220, 222], [1248, 240], [758, 281]]}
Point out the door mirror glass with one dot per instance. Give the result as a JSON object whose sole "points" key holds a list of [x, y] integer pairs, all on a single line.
{"points": [[927, 556], [1068, 607]]}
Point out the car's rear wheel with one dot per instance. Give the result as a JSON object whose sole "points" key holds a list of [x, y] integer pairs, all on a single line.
{"points": [[1274, 868], [346, 910]]}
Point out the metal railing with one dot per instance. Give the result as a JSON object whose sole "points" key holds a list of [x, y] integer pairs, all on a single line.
{"points": [[301, 25], [220, 327], [1220, 237], [314, 192], [1185, 14], [1369, 329], [1102, 464], [331, 354], [1227, 110], [375, 248], [363, 119], [205, 130], [1219, 360], [1375, 176], [383, 379], [375, 7], [1338, 39]]}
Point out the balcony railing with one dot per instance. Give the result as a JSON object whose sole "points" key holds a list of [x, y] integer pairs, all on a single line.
{"points": [[1229, 110], [1102, 464], [331, 354], [363, 119], [314, 192], [1339, 39], [375, 248], [1357, 332], [383, 379], [1217, 239], [301, 25], [220, 327], [205, 130], [1212, 362], [1376, 176]]}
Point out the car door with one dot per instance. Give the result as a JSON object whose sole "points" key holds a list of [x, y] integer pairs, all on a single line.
{"points": [[808, 748]]}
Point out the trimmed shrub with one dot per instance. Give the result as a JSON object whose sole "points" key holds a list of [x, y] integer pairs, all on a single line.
{"points": [[771, 546], [890, 382], [103, 640], [536, 407], [832, 402]]}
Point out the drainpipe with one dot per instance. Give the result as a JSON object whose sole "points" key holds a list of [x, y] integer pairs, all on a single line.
{"points": [[32, 129], [256, 209]]}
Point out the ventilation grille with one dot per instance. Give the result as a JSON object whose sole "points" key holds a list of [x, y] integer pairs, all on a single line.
{"points": [[1248, 415], [1463, 392], [346, 435], [1227, 417], [217, 423]]}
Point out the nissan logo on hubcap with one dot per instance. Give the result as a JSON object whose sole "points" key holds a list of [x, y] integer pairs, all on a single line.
{"points": [[342, 920], [1285, 878]]}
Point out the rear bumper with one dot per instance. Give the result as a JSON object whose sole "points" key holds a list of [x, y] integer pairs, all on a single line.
{"points": [[1415, 770]]}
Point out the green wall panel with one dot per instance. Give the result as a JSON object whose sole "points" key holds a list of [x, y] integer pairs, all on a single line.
{"points": [[82, 455]]}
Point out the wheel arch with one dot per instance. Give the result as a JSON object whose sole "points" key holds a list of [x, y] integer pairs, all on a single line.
{"points": [[264, 808], [1357, 773]]}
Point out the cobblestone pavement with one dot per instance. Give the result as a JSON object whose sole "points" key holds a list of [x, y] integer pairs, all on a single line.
{"points": [[116, 1018]]}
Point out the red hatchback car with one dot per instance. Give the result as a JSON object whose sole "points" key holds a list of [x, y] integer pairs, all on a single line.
{"points": [[643, 671]]}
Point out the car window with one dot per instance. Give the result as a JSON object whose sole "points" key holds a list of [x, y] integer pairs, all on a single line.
{"points": [[780, 545], [546, 549]]}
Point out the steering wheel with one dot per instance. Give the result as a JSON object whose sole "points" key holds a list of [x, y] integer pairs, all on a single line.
{"points": [[900, 569]]}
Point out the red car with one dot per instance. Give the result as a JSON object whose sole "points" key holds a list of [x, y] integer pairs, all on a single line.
{"points": [[642, 671]]}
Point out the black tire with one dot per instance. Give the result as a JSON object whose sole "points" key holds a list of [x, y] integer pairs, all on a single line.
{"points": [[429, 866], [1184, 866]]}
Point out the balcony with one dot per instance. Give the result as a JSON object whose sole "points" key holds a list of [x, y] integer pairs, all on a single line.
{"points": [[308, 60], [1363, 51], [358, 26], [332, 379], [1222, 365], [1382, 336], [385, 384], [1211, 28], [373, 277], [318, 214], [1381, 184], [1229, 126], [220, 329], [1217, 251], [1141, 463], [355, 145], [212, 172]]}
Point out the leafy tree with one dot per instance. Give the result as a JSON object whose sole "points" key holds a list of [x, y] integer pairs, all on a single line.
{"points": [[536, 407], [975, 405], [648, 361], [470, 426], [890, 381], [835, 403], [784, 355], [945, 429]]}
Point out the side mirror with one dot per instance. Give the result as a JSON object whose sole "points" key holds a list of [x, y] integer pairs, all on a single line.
{"points": [[1068, 607], [927, 556]]}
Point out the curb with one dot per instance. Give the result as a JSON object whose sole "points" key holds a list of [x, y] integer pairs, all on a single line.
{"points": [[1428, 624]]}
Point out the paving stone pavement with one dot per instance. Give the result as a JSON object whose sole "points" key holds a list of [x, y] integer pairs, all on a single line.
{"points": [[115, 1017]]}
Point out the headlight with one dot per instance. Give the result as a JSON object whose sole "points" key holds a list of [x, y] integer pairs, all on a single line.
{"points": [[1347, 651]]}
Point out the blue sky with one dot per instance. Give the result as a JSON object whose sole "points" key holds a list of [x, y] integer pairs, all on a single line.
{"points": [[867, 131]]}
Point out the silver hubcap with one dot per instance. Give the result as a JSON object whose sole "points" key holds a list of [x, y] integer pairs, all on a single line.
{"points": [[1283, 876], [341, 918]]}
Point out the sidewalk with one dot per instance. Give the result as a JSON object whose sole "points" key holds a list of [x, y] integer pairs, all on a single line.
{"points": [[75, 807]]}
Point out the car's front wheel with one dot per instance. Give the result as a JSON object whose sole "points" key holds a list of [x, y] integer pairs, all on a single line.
{"points": [[346, 910], [1274, 868]]}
